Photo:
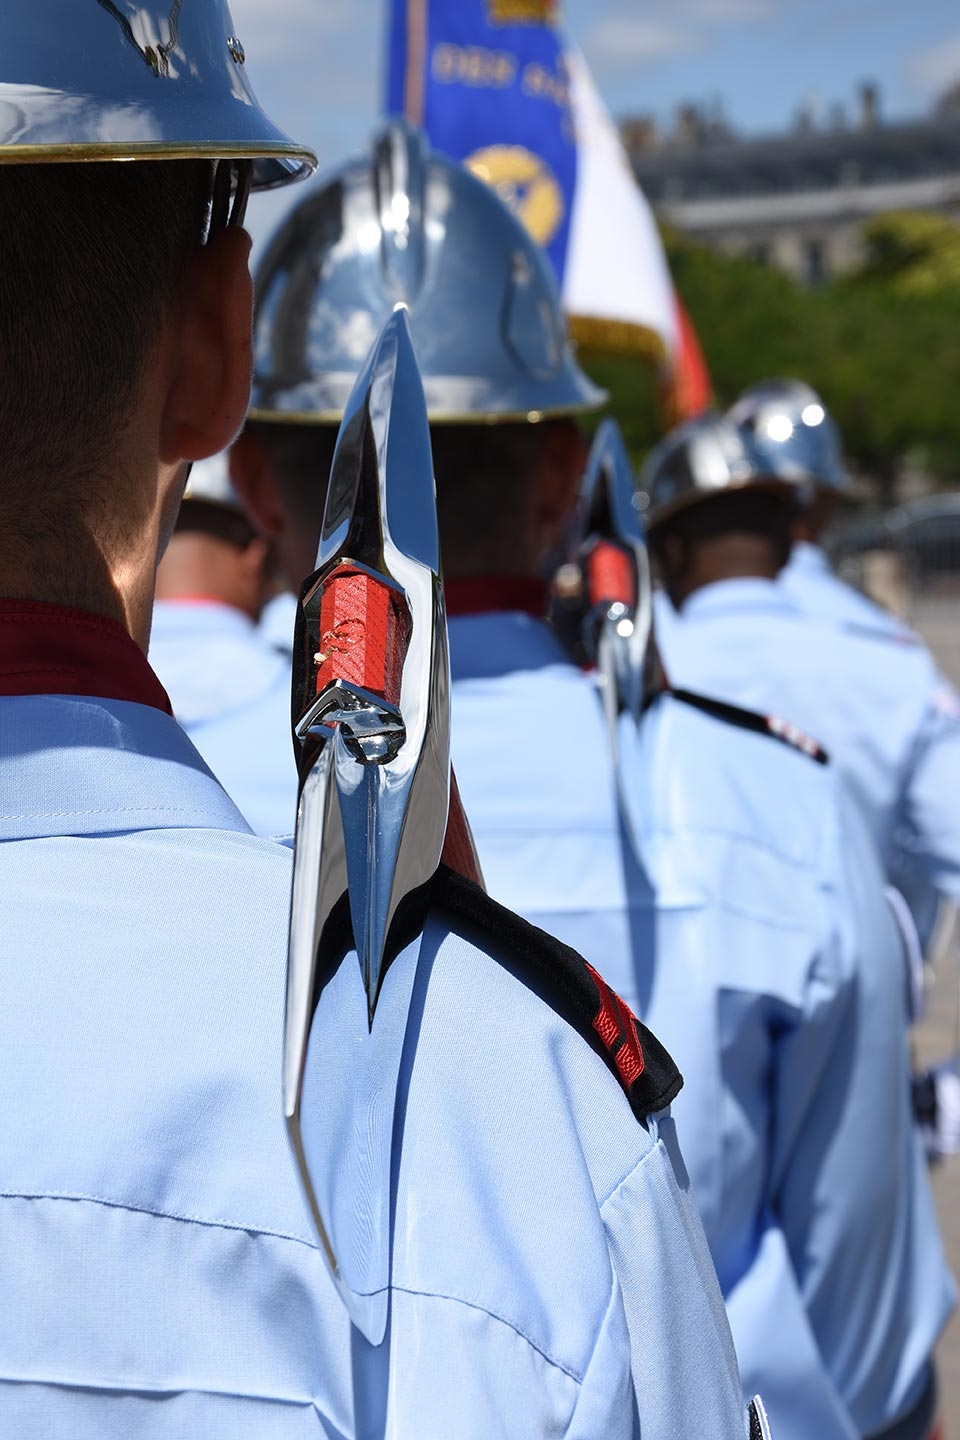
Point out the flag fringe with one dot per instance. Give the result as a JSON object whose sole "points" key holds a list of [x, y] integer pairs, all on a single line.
{"points": [[606, 336]]}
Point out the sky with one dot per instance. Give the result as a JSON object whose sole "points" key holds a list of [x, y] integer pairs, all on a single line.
{"points": [[317, 64]]}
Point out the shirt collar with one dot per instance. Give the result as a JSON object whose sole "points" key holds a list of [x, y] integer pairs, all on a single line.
{"points": [[53, 650], [490, 645], [76, 766], [87, 742], [497, 594], [278, 621], [809, 559], [197, 613], [727, 596]]}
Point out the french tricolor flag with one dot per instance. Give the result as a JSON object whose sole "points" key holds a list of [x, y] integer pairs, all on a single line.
{"points": [[498, 85]]}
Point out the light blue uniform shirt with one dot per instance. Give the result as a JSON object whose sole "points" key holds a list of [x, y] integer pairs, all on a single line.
{"points": [[809, 581], [744, 921], [277, 623], [158, 1270], [229, 685], [885, 714]]}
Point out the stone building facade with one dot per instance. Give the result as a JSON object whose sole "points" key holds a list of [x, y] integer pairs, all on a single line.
{"points": [[798, 200]]}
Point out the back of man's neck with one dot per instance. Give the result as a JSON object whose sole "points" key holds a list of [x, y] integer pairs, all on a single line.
{"points": [[57, 582]]}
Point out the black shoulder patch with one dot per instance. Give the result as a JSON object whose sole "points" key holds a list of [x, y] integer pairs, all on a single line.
{"points": [[571, 987], [552, 970], [772, 725]]}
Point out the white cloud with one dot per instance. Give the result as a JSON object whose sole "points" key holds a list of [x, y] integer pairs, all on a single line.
{"points": [[618, 40], [728, 12], [301, 28], [622, 37], [316, 67], [929, 72]]}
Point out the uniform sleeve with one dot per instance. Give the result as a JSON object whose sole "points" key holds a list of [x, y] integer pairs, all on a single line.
{"points": [[849, 1192], [662, 1364], [779, 1356], [456, 1370], [682, 1358], [931, 818], [806, 1030]]}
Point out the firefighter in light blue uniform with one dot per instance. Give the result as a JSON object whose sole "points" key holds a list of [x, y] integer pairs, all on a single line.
{"points": [[764, 949], [227, 678], [718, 882], [794, 434], [878, 703], [558, 1255], [158, 1266]]}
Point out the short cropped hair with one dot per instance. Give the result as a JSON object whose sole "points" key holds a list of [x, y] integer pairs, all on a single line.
{"points": [[90, 258], [748, 511], [481, 473], [222, 522], [484, 474]]}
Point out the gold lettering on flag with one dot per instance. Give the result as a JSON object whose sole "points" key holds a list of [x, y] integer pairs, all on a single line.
{"points": [[473, 65]]}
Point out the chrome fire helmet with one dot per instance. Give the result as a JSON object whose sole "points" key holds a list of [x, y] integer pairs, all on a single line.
{"points": [[89, 80], [793, 434], [403, 224], [699, 459]]}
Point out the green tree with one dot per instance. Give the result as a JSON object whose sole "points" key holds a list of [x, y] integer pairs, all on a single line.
{"points": [[882, 346], [914, 253]]}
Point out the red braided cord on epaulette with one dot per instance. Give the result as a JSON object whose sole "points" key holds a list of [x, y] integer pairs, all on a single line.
{"points": [[610, 575], [616, 1025]]}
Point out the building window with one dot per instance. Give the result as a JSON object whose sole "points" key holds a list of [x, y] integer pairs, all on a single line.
{"points": [[816, 265]]}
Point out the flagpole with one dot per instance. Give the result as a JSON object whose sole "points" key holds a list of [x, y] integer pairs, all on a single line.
{"points": [[416, 61]]}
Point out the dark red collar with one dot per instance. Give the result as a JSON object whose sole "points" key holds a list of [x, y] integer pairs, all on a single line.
{"points": [[492, 594], [52, 650]]}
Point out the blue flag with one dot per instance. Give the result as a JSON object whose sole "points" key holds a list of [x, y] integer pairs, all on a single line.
{"points": [[489, 82]]}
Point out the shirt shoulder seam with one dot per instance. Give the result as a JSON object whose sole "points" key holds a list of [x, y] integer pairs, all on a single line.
{"points": [[79, 1197], [493, 1315]]}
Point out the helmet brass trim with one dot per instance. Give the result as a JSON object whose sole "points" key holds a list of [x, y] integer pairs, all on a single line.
{"points": [[469, 417], [155, 150]]}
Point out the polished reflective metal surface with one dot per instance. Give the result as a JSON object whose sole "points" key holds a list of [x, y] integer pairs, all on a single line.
{"points": [[614, 628], [759, 1424], [793, 434], [134, 79], [699, 458], [402, 224], [373, 807]]}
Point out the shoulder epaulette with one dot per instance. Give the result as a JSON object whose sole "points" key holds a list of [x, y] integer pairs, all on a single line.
{"points": [[572, 988], [553, 971], [778, 729]]}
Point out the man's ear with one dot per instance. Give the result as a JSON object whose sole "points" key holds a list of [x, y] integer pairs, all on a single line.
{"points": [[253, 481], [254, 560], [211, 351]]}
